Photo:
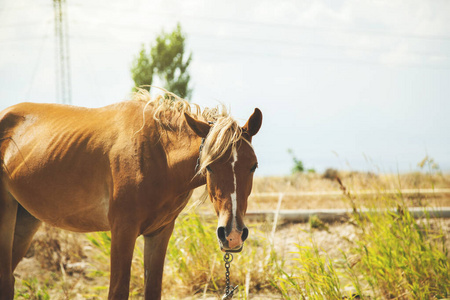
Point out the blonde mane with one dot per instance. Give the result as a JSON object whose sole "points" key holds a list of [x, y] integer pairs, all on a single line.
{"points": [[224, 134]]}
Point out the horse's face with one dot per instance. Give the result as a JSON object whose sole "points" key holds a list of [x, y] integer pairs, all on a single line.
{"points": [[229, 182]]}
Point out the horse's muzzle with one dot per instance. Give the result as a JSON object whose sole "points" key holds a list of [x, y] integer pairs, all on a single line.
{"points": [[233, 241]]}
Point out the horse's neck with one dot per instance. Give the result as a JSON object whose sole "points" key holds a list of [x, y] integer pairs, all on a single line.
{"points": [[182, 156]]}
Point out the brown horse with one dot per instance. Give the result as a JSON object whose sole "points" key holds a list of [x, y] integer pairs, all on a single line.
{"points": [[129, 168]]}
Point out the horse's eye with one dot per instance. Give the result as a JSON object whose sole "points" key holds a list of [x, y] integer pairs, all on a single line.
{"points": [[254, 168], [208, 168]]}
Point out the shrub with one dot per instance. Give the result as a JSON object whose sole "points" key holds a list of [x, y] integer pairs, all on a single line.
{"points": [[298, 164], [330, 174]]}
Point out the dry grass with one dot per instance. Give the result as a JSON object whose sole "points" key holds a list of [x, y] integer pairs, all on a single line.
{"points": [[354, 181], [313, 182]]}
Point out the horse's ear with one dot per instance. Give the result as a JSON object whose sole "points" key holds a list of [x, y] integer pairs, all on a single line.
{"points": [[200, 128], [254, 123]]}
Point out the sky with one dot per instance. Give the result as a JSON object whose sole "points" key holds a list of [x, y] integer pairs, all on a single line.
{"points": [[353, 85]]}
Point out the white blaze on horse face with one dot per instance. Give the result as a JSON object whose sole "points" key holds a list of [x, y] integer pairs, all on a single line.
{"points": [[233, 194]]}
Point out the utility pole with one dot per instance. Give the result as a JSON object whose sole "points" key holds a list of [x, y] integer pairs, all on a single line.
{"points": [[62, 61]]}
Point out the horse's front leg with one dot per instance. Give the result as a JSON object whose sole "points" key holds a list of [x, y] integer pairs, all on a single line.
{"points": [[154, 254], [8, 213], [123, 239]]}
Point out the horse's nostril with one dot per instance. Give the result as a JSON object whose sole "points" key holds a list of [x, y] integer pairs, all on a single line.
{"points": [[244, 234], [221, 233]]}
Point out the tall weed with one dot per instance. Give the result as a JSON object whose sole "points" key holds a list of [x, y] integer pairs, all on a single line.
{"points": [[402, 257], [394, 257], [313, 276]]}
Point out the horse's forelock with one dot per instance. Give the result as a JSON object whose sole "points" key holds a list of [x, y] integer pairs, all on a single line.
{"points": [[224, 135]]}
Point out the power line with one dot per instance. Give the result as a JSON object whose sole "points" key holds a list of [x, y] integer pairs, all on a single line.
{"points": [[103, 40], [269, 41], [301, 44]]}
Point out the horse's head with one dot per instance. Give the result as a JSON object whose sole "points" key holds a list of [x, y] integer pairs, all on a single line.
{"points": [[228, 162]]}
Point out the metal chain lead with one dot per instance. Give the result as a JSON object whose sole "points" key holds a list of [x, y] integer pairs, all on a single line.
{"points": [[228, 258]]}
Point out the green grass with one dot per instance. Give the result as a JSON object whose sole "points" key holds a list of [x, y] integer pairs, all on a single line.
{"points": [[32, 290]]}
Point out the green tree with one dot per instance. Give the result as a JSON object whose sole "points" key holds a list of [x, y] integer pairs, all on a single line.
{"points": [[142, 69], [167, 60]]}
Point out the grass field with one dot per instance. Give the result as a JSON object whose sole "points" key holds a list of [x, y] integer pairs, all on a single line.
{"points": [[367, 256]]}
